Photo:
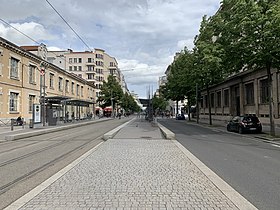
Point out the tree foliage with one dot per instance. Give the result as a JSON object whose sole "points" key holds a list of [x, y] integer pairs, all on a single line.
{"points": [[249, 33], [111, 92]]}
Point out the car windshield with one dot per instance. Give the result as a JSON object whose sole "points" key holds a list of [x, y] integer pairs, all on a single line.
{"points": [[251, 119]]}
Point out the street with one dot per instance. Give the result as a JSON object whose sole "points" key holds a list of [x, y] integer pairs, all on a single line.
{"points": [[248, 164]]}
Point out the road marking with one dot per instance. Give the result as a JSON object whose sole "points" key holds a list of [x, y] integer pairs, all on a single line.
{"points": [[275, 145]]}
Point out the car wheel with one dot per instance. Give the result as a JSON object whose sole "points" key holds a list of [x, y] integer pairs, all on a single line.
{"points": [[228, 128], [240, 130], [259, 131]]}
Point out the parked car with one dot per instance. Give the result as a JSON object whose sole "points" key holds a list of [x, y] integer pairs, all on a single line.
{"points": [[180, 117], [245, 123]]}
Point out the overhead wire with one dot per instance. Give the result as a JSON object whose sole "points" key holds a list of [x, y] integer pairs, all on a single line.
{"points": [[72, 29], [68, 24]]}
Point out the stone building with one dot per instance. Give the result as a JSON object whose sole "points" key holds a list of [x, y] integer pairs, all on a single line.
{"points": [[243, 93], [27, 79]]}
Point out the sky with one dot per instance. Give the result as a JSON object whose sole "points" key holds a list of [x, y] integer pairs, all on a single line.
{"points": [[143, 35]]}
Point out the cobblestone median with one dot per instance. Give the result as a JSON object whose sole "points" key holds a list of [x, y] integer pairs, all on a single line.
{"points": [[133, 174]]}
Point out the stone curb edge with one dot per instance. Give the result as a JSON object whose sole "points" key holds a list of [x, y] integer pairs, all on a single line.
{"points": [[47, 130], [112, 133]]}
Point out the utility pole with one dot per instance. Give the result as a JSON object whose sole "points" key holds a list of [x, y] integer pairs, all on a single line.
{"points": [[112, 104], [197, 104], [42, 51]]}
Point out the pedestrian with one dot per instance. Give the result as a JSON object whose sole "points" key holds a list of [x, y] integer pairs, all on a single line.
{"points": [[67, 116], [19, 121]]}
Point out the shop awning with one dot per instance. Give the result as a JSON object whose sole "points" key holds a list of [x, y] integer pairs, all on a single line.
{"points": [[56, 99], [78, 102], [108, 109]]}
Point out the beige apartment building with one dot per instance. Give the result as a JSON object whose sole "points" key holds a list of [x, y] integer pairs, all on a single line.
{"points": [[93, 66], [27, 79]]}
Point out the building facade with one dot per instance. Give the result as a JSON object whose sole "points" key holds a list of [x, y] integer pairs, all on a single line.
{"points": [[243, 93], [27, 79], [93, 66]]}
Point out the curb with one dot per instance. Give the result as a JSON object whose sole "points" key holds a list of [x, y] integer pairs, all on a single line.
{"points": [[166, 132], [47, 130], [112, 133]]}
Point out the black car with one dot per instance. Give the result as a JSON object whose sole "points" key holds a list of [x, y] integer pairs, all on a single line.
{"points": [[180, 117], [245, 123]]}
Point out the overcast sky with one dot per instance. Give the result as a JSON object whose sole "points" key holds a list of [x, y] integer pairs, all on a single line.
{"points": [[143, 35]]}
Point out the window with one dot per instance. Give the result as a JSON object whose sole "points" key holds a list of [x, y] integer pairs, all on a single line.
{"points": [[31, 100], [70, 68], [112, 71], [82, 91], [31, 72], [90, 68], [111, 64], [75, 60], [78, 89], [80, 60], [14, 68], [60, 84], [70, 60], [90, 60], [67, 86], [249, 93], [72, 88], [219, 99], [99, 56], [226, 98], [99, 63], [90, 76], [51, 80], [75, 68], [80, 68], [13, 106], [99, 71], [264, 88]]}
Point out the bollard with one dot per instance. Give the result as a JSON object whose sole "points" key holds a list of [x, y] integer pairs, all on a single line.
{"points": [[31, 124], [12, 124]]}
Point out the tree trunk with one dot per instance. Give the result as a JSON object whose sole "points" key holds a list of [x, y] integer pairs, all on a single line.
{"points": [[209, 106], [197, 105], [270, 95]]}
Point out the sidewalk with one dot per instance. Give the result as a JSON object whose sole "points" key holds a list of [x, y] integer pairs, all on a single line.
{"points": [[136, 169], [25, 131]]}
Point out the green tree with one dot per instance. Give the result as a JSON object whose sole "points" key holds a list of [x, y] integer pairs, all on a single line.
{"points": [[249, 31], [111, 93], [159, 103], [129, 104], [209, 58], [181, 81]]}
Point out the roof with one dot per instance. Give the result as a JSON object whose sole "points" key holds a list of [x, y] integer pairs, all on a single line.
{"points": [[68, 101], [30, 48]]}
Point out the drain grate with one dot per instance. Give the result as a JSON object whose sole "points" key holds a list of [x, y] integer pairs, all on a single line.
{"points": [[146, 137]]}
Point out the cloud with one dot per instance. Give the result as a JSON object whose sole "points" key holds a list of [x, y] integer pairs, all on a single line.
{"points": [[140, 34], [28, 30]]}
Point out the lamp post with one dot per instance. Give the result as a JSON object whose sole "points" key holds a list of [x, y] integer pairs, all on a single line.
{"points": [[112, 104]]}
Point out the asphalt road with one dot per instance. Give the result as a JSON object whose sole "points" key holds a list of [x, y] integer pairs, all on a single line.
{"points": [[26, 163], [249, 165]]}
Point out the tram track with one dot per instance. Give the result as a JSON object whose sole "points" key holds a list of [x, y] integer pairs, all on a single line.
{"points": [[27, 162], [7, 186]]}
